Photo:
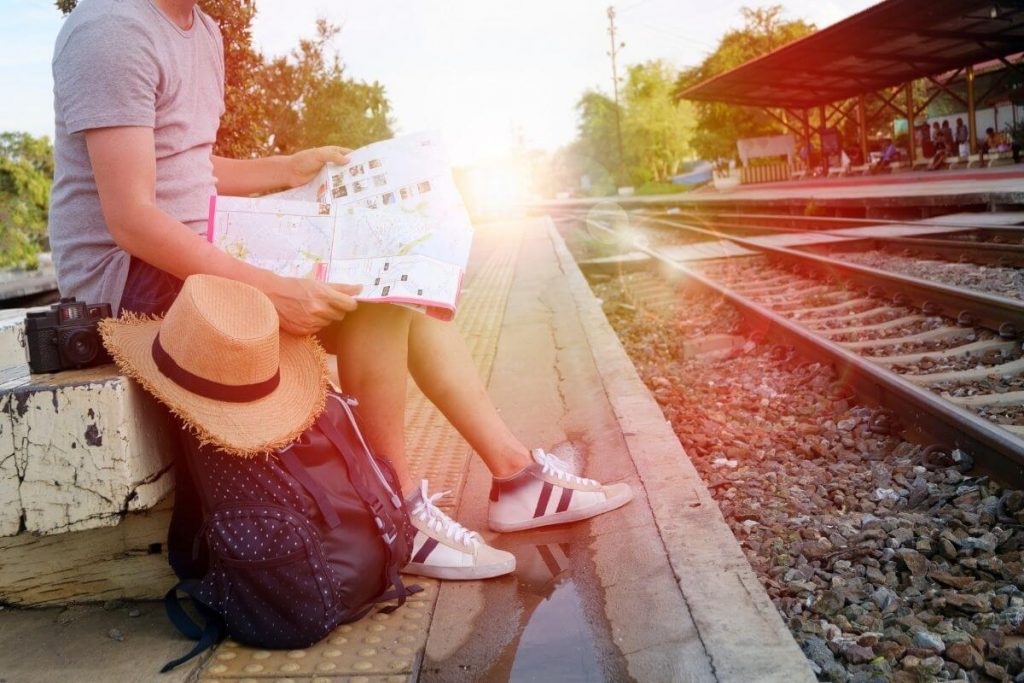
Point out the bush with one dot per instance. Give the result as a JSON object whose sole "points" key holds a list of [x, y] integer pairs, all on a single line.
{"points": [[26, 172]]}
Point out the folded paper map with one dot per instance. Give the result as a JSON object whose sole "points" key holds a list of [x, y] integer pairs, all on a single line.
{"points": [[391, 220]]}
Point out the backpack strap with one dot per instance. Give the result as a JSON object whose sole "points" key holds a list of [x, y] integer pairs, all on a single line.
{"points": [[386, 527], [401, 593], [211, 633], [294, 466]]}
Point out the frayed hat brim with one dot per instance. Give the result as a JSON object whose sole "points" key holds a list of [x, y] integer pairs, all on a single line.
{"points": [[245, 429]]}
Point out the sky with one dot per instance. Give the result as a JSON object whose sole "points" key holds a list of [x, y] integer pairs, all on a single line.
{"points": [[488, 74]]}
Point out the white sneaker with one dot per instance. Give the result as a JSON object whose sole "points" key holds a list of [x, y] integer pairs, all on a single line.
{"points": [[547, 493], [444, 549]]}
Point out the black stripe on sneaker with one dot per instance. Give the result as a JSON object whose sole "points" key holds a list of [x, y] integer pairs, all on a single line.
{"points": [[549, 560], [542, 502], [494, 492], [425, 550], [563, 502]]}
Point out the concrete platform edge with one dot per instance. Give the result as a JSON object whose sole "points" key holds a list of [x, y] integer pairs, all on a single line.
{"points": [[742, 632]]}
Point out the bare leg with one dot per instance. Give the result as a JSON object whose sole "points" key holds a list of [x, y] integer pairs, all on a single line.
{"points": [[372, 344], [443, 369], [378, 345]]}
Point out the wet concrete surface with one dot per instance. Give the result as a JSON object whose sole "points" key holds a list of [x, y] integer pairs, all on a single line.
{"points": [[593, 601], [545, 622]]}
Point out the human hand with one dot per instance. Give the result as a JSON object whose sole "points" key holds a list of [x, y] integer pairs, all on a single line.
{"points": [[305, 306], [302, 166]]}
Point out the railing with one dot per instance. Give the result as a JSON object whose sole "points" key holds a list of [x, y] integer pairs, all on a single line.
{"points": [[765, 173]]}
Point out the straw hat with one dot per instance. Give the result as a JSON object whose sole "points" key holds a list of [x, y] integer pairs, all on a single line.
{"points": [[219, 361]]}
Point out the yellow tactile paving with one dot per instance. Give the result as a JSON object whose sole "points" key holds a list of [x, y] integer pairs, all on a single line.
{"points": [[434, 449], [378, 644], [385, 647]]}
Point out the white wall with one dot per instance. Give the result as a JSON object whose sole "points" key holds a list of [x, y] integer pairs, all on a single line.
{"points": [[996, 118]]}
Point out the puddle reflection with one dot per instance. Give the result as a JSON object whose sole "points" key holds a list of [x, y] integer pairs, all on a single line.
{"points": [[544, 623], [556, 644]]}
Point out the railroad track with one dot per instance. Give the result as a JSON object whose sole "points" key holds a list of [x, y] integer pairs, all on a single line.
{"points": [[981, 244], [946, 359]]}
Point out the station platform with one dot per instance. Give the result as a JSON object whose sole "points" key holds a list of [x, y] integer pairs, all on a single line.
{"points": [[885, 195], [658, 590]]}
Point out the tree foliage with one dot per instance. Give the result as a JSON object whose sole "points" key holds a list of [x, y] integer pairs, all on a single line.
{"points": [[311, 102], [720, 125], [242, 130], [655, 131], [26, 172]]}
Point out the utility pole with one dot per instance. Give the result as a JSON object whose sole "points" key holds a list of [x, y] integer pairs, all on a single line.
{"points": [[615, 87]]}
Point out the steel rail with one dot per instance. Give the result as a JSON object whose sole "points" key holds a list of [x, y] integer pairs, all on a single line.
{"points": [[934, 222], [997, 449], [957, 251], [967, 307], [987, 253]]}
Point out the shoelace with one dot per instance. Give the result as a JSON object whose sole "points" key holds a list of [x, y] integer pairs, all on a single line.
{"points": [[426, 511], [559, 468]]}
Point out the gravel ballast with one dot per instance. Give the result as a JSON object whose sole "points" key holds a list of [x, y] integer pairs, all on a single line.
{"points": [[890, 561]]}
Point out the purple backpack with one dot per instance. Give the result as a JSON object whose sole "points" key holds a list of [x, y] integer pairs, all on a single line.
{"points": [[277, 551]]}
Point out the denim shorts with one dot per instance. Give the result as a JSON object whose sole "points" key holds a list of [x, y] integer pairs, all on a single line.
{"points": [[148, 289]]}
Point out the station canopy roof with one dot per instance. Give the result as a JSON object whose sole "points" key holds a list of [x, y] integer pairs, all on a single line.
{"points": [[887, 44]]}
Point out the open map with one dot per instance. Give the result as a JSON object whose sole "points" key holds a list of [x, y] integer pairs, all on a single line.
{"points": [[391, 220]]}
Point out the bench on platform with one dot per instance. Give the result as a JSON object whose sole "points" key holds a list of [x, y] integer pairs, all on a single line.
{"points": [[89, 450], [999, 158], [957, 162]]}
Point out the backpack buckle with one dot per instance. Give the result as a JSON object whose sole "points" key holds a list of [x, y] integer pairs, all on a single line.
{"points": [[386, 525]]}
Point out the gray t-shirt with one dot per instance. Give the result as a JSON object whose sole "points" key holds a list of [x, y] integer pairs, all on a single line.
{"points": [[125, 63]]}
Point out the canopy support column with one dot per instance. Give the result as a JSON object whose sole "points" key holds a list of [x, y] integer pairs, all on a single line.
{"points": [[822, 124], [909, 87], [806, 118], [862, 125], [972, 124]]}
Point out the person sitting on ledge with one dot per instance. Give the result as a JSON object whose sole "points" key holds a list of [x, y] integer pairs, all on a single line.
{"points": [[138, 96], [943, 146], [888, 156], [995, 142]]}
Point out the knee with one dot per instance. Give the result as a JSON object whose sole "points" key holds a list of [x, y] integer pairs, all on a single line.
{"points": [[386, 314], [368, 319]]}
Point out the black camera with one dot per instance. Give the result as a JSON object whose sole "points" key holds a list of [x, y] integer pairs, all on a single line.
{"points": [[66, 336]]}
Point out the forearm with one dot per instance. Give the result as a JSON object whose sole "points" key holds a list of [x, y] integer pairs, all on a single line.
{"points": [[243, 177], [155, 237]]}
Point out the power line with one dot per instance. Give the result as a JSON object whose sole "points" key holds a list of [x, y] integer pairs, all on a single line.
{"points": [[671, 34], [635, 5]]}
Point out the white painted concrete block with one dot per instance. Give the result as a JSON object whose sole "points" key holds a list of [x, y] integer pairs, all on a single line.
{"points": [[90, 445], [10, 498], [13, 352]]}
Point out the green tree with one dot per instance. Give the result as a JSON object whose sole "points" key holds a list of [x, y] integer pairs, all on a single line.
{"points": [[310, 101], [655, 131], [596, 151], [26, 170], [720, 125], [243, 132]]}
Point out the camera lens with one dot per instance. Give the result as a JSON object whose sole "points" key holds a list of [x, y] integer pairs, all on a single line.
{"points": [[80, 346]]}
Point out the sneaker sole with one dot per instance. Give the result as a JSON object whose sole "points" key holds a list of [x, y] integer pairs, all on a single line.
{"points": [[487, 571], [567, 517]]}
